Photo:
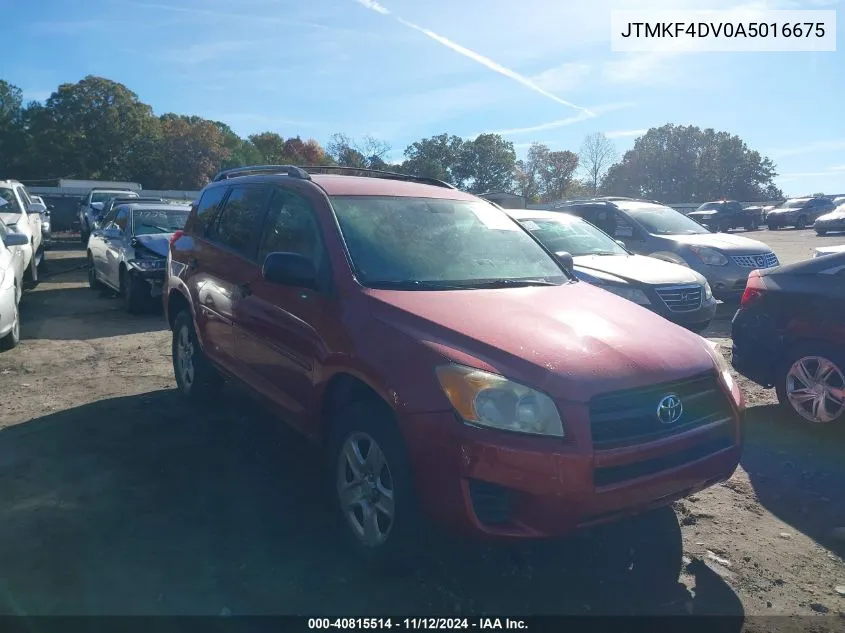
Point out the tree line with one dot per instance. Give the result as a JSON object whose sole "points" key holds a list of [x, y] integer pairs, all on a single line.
{"points": [[99, 129]]}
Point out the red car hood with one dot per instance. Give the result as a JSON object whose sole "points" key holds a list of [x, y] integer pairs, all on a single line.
{"points": [[570, 341]]}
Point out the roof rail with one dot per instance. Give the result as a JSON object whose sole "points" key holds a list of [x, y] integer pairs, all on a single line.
{"points": [[288, 170], [377, 173]]}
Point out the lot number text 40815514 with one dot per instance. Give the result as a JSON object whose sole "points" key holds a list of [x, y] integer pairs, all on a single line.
{"points": [[415, 624]]}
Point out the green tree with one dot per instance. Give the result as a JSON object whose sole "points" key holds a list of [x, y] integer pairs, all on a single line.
{"points": [[190, 151], [687, 164], [13, 147], [88, 129], [270, 146], [544, 175], [487, 164], [241, 151], [435, 157]]}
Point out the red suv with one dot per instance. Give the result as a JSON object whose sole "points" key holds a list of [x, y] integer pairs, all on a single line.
{"points": [[450, 367]]}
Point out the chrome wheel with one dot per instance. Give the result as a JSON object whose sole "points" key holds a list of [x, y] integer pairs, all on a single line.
{"points": [[185, 358], [815, 388], [365, 489]]}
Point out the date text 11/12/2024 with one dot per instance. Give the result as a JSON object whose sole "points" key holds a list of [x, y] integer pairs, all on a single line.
{"points": [[414, 624]]}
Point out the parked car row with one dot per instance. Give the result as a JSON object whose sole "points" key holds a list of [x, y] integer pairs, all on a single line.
{"points": [[22, 256]]}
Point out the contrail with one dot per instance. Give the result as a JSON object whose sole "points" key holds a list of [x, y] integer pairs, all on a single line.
{"points": [[374, 5]]}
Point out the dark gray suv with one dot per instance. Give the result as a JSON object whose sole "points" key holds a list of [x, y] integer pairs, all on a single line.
{"points": [[650, 228]]}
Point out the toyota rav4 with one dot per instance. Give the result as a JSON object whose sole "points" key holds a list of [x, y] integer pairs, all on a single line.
{"points": [[449, 367]]}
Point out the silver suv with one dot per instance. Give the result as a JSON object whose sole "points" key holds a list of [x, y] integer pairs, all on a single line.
{"points": [[650, 228]]}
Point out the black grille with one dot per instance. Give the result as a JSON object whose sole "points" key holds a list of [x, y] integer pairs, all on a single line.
{"points": [[616, 474], [630, 417], [681, 298]]}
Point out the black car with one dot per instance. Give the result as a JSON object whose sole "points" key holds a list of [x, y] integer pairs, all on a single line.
{"points": [[674, 291], [799, 212], [723, 215], [112, 203], [788, 334]]}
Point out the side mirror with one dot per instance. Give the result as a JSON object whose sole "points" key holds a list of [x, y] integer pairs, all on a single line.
{"points": [[112, 233], [15, 239], [289, 269], [36, 207], [565, 260], [621, 243]]}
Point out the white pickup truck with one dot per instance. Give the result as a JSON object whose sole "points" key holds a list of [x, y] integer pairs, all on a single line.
{"points": [[22, 215]]}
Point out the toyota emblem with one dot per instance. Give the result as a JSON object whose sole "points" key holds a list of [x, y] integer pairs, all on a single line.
{"points": [[670, 409]]}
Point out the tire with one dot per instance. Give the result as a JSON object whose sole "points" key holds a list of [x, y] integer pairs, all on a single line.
{"points": [[772, 226], [93, 282], [801, 224], [84, 234], [32, 271], [810, 353], [11, 340], [753, 225], [821, 232], [395, 539], [135, 293], [205, 382], [644, 552]]}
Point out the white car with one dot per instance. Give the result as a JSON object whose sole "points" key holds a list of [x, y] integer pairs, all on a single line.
{"points": [[46, 231], [828, 250], [11, 284], [23, 215]]}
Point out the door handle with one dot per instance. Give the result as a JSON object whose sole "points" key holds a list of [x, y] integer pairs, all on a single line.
{"points": [[245, 289]]}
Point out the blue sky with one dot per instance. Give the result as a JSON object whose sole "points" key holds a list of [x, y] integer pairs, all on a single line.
{"points": [[406, 69]]}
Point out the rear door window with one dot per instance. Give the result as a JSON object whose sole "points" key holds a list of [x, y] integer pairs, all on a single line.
{"points": [[207, 209], [238, 225]]}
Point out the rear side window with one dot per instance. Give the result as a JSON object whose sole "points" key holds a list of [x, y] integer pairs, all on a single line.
{"points": [[207, 209], [239, 219]]}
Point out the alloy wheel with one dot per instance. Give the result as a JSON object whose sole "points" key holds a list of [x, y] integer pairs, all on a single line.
{"points": [[815, 388], [185, 358], [365, 489]]}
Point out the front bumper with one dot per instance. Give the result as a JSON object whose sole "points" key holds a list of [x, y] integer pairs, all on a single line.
{"points": [[154, 278], [502, 485], [704, 314], [726, 282], [830, 225]]}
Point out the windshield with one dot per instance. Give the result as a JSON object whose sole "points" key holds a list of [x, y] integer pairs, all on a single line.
{"points": [[711, 206], [660, 220], [794, 204], [573, 235], [425, 243], [150, 222], [105, 196]]}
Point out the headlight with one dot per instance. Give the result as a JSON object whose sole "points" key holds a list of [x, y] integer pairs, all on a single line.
{"points": [[490, 400], [709, 256], [708, 291], [725, 375], [147, 264], [631, 294]]}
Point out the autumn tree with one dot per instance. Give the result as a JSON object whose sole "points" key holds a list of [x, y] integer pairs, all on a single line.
{"points": [[191, 151], [675, 163], [544, 175], [598, 153]]}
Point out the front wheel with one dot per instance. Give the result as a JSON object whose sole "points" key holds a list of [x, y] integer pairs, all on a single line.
{"points": [[371, 485], [135, 293], [811, 384], [195, 376], [821, 232], [93, 282], [773, 226]]}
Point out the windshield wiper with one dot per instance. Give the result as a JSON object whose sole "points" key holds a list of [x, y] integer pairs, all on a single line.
{"points": [[159, 228], [414, 284], [509, 283]]}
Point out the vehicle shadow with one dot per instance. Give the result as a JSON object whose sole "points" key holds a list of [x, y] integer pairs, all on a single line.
{"points": [[65, 313], [797, 471], [150, 505]]}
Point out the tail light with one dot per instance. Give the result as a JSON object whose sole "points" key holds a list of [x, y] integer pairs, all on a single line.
{"points": [[175, 237], [755, 288]]}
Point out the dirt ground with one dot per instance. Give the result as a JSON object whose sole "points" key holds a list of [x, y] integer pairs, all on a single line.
{"points": [[120, 498]]}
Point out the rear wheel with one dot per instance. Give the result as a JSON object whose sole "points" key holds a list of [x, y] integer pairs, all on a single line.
{"points": [[821, 232], [811, 383], [12, 339], [773, 226], [371, 484], [195, 377]]}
